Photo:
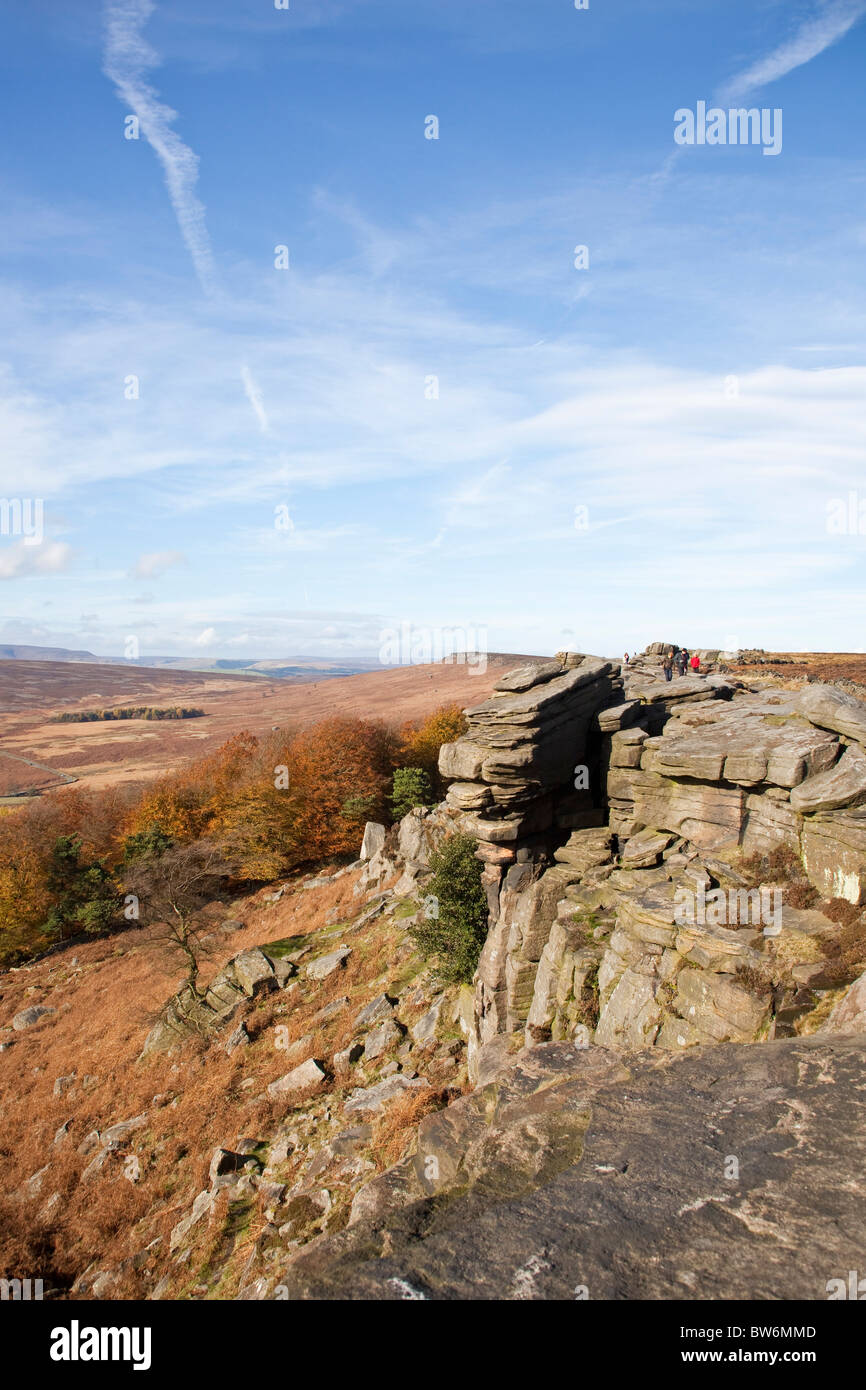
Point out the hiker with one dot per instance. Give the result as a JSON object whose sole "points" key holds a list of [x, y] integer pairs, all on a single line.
{"points": [[625, 659], [680, 661], [668, 665], [695, 663]]}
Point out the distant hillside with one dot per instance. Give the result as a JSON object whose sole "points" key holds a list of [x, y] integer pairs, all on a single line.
{"points": [[114, 753], [19, 653]]}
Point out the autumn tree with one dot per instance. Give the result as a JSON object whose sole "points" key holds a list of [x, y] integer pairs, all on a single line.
{"points": [[420, 743], [55, 868], [184, 804], [172, 887], [330, 766]]}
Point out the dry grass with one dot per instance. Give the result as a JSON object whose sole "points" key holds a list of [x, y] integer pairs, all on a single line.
{"points": [[755, 979], [194, 1098], [780, 865], [847, 951], [394, 1131]]}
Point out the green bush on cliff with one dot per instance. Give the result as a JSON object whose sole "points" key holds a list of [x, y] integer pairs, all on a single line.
{"points": [[453, 920]]}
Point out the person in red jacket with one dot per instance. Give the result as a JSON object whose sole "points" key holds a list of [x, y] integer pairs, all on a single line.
{"points": [[695, 663]]}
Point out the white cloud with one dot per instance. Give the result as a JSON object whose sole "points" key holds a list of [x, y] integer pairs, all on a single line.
{"points": [[206, 638], [126, 61], [825, 28], [19, 560], [157, 562]]}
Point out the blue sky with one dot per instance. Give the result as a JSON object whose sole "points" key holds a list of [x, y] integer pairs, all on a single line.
{"points": [[647, 447]]}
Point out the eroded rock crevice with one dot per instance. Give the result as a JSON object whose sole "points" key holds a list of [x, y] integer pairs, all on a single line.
{"points": [[657, 853]]}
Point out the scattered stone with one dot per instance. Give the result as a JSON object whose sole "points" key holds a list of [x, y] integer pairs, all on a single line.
{"points": [[373, 1099], [254, 972], [115, 1135], [202, 1206], [90, 1143], [336, 1006], [309, 1073], [326, 965], [345, 1060], [381, 1038], [424, 1031], [27, 1017], [379, 1008], [225, 1161], [283, 969], [239, 1038]]}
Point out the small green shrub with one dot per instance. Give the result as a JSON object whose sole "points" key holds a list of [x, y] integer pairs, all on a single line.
{"points": [[153, 840], [411, 788], [359, 809], [85, 896], [454, 912]]}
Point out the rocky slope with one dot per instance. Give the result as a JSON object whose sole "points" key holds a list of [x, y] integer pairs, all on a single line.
{"points": [[710, 1174], [702, 887], [653, 1087]]}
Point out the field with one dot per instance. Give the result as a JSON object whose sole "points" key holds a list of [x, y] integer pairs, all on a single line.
{"points": [[135, 751], [822, 666]]}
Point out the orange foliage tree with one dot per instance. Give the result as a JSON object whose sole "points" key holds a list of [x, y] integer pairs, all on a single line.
{"points": [[420, 742], [28, 838], [184, 804], [306, 796]]}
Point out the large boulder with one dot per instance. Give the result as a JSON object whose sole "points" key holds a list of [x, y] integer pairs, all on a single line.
{"points": [[834, 853], [571, 1175], [838, 786], [849, 1013], [829, 708], [374, 839]]}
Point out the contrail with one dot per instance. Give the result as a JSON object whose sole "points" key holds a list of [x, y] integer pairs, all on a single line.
{"points": [[254, 396], [818, 33], [126, 61]]}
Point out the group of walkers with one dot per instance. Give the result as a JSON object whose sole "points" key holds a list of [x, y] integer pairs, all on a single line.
{"points": [[680, 662]]}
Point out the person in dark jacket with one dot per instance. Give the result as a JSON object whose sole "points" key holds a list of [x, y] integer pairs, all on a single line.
{"points": [[668, 665]]}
